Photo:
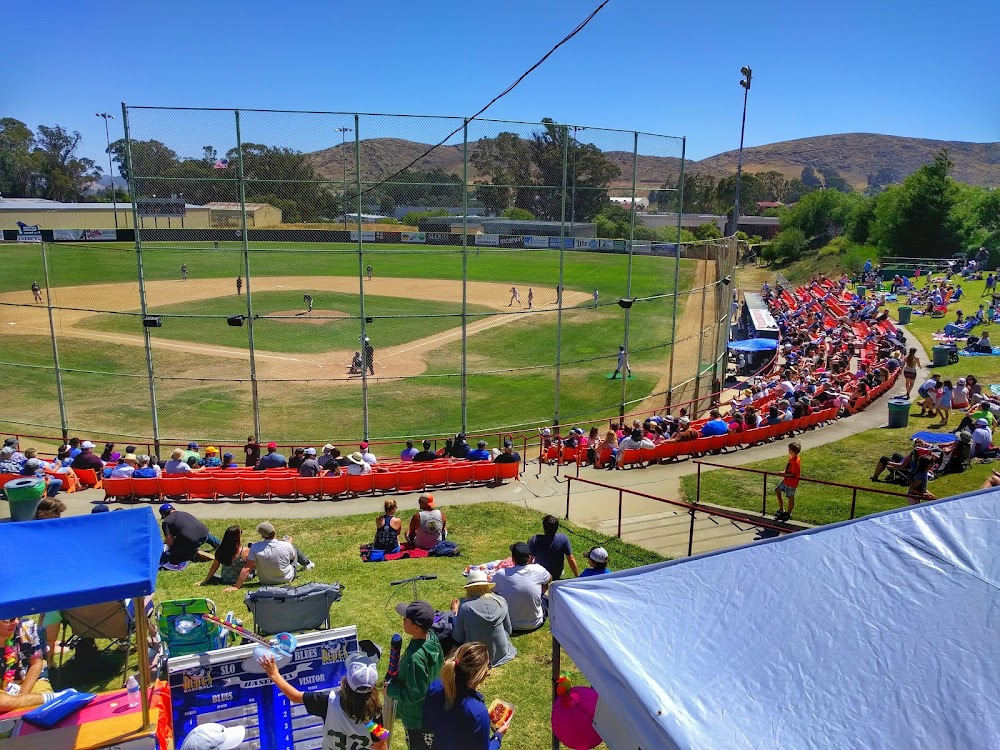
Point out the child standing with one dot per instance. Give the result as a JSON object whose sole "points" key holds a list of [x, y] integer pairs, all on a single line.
{"points": [[789, 482], [419, 665]]}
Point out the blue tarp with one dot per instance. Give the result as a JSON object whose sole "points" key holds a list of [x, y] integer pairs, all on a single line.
{"points": [[934, 437], [875, 633], [754, 345], [72, 562]]}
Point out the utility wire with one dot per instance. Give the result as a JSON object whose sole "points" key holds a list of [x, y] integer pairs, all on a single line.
{"points": [[580, 27]]}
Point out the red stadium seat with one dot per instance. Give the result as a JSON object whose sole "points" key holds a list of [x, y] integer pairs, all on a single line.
{"points": [[282, 486], [228, 485], [410, 480], [484, 472], [200, 487], [384, 481], [146, 487], [89, 478], [358, 483], [309, 487], [255, 485], [334, 486], [173, 486], [436, 474], [460, 472], [630, 457], [508, 471], [117, 488]]}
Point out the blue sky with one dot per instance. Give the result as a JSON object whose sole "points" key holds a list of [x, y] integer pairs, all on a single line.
{"points": [[903, 68]]}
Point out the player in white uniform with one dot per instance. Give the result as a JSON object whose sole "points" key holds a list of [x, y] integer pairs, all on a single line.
{"points": [[347, 710], [515, 296]]}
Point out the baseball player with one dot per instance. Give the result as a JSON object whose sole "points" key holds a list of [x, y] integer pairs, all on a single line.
{"points": [[622, 363], [184, 272], [515, 296], [531, 297], [37, 291], [308, 299]]}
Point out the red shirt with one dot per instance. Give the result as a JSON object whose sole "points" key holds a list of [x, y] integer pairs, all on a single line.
{"points": [[793, 470]]}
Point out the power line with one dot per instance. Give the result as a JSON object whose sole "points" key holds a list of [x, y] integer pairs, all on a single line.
{"points": [[580, 27]]}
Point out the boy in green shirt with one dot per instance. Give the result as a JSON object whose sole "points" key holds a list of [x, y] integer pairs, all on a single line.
{"points": [[419, 666]]}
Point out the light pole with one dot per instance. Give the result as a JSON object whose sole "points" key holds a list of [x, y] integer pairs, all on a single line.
{"points": [[343, 146], [745, 83], [572, 202], [111, 172]]}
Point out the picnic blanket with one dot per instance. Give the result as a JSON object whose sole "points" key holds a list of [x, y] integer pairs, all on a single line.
{"points": [[943, 337], [490, 568], [938, 438], [963, 353], [406, 552], [995, 389]]}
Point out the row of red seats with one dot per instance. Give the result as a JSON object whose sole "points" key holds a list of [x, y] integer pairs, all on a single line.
{"points": [[267, 484]]}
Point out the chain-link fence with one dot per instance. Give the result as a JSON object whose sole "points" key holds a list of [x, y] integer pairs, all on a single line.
{"points": [[305, 276]]}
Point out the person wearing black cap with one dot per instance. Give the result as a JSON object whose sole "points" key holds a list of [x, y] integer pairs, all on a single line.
{"points": [[524, 586], [419, 665], [509, 455], [460, 448], [183, 534], [426, 454]]}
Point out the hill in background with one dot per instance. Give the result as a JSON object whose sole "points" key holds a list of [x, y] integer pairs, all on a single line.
{"points": [[859, 157]]}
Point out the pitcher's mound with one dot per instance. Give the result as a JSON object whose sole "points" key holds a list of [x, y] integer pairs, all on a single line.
{"points": [[316, 317]]}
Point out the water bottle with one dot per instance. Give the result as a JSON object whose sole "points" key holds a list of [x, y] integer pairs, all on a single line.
{"points": [[132, 689]]}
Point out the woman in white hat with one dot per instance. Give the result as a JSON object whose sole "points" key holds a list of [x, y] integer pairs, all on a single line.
{"points": [[357, 464], [483, 616]]}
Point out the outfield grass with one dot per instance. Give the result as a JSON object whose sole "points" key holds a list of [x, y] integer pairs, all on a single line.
{"points": [[292, 335], [484, 532]]}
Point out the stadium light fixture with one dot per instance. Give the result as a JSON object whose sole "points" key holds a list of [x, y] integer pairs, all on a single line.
{"points": [[626, 303], [727, 280], [235, 320], [111, 171], [745, 83], [343, 144], [151, 321]]}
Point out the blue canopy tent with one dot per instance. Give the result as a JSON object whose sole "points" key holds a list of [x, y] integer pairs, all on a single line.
{"points": [[73, 562], [753, 345], [878, 632]]}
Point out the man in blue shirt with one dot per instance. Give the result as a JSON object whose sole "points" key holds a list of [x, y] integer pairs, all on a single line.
{"points": [[273, 459], [480, 453], [715, 426], [551, 549]]}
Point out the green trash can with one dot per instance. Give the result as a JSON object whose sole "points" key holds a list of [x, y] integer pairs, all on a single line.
{"points": [[940, 356], [24, 494], [862, 291], [905, 311], [899, 412]]}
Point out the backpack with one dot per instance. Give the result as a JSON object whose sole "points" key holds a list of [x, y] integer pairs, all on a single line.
{"points": [[444, 548]]}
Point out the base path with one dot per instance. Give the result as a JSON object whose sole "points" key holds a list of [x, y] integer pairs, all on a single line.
{"points": [[390, 362]]}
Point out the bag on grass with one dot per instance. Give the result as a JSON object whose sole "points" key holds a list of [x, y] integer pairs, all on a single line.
{"points": [[444, 548]]}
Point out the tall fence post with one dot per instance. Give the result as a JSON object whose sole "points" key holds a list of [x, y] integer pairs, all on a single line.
{"points": [[619, 513], [365, 361], [696, 407], [465, 275], [569, 484], [150, 375], [55, 348], [763, 498], [677, 271], [628, 282], [246, 271], [691, 533], [560, 292], [854, 500]]}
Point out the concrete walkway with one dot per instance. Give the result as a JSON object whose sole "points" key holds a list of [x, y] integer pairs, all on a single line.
{"points": [[648, 522]]}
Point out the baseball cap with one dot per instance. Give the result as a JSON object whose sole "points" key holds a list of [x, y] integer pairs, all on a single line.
{"points": [[272, 444], [427, 445], [546, 431], [115, 456], [86, 444], [684, 421], [364, 445], [32, 463], [265, 528], [192, 446], [100, 509], [961, 381], [211, 449], [166, 509], [227, 455], [310, 451], [598, 555], [362, 675], [428, 499], [214, 737], [419, 613], [507, 444], [981, 422]]}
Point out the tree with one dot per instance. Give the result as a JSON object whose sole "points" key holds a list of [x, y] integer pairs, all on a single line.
{"points": [[708, 231], [18, 166], [916, 219], [149, 158], [787, 246], [63, 174], [809, 178], [517, 214], [834, 181], [773, 186], [506, 162], [824, 214]]}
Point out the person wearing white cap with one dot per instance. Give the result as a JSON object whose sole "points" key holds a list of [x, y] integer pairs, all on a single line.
{"points": [[214, 737], [87, 459], [310, 466], [483, 616], [982, 439], [345, 711], [598, 559]]}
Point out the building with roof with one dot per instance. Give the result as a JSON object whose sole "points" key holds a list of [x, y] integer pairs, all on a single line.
{"points": [[498, 225]]}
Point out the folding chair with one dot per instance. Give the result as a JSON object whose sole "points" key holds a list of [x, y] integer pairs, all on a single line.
{"points": [[182, 629]]}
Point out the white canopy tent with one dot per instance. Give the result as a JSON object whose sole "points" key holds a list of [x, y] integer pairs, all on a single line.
{"points": [[874, 633]]}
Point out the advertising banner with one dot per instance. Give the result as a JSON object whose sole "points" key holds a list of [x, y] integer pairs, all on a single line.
{"points": [[433, 237], [28, 232], [510, 241], [536, 241], [67, 235], [416, 237], [567, 242], [582, 243], [365, 236], [228, 686], [490, 240], [100, 234], [607, 244]]}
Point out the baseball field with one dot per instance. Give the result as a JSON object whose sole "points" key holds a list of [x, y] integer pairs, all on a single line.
{"points": [[306, 392]]}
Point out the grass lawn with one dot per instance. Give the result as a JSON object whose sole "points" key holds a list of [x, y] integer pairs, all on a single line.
{"points": [[288, 335], [484, 533]]}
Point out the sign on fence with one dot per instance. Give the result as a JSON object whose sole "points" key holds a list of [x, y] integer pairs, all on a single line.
{"points": [[416, 237], [491, 240], [163, 207]]}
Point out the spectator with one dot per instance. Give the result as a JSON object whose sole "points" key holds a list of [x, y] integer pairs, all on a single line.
{"points": [[714, 426], [982, 440], [455, 713], [524, 587], [789, 482], [273, 560], [8, 465], [273, 459], [183, 535], [552, 549], [252, 451], [23, 685], [177, 464], [230, 558], [409, 452], [369, 457], [298, 456], [685, 432], [460, 448], [74, 447], [483, 616], [604, 453], [326, 457], [145, 468], [918, 484], [228, 462], [387, 528], [598, 559], [33, 468], [357, 464], [310, 466], [111, 464], [126, 467], [418, 665], [211, 459], [192, 452], [509, 455], [426, 454], [346, 711], [480, 453], [634, 441], [49, 507], [428, 526]]}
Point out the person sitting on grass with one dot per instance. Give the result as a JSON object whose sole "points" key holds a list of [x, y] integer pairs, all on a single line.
{"points": [[789, 482], [428, 526], [597, 557], [484, 617], [552, 549], [347, 710], [387, 528], [230, 559], [918, 492], [525, 587], [183, 535], [274, 560]]}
